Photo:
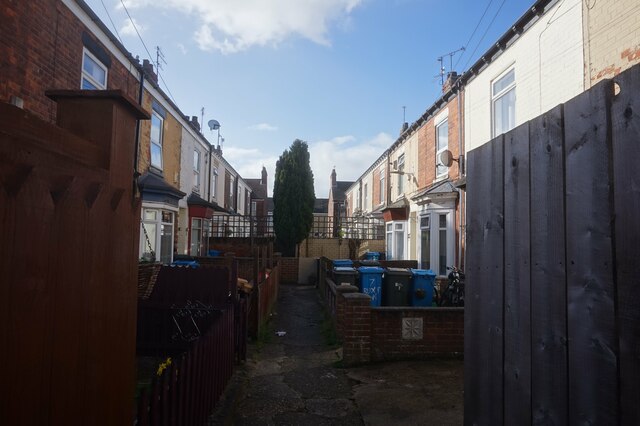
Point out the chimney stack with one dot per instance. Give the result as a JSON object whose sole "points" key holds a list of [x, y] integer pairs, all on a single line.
{"points": [[194, 123], [404, 128], [449, 82], [148, 71], [333, 178]]}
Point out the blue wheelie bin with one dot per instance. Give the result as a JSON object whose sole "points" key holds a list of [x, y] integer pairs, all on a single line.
{"points": [[422, 287], [372, 255], [371, 282], [337, 263]]}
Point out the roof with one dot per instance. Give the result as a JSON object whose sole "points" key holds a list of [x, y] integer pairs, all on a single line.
{"points": [[321, 205], [153, 187], [259, 190], [443, 187], [340, 189]]}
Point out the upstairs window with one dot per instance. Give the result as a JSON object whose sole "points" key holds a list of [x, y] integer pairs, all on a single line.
{"points": [[442, 144], [214, 182], [157, 123], [366, 197], [196, 171], [400, 169], [382, 187], [94, 72], [503, 103]]}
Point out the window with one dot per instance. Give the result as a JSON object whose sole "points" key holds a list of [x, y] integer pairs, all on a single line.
{"points": [[366, 197], [196, 171], [442, 144], [157, 123], [254, 208], [214, 182], [437, 240], [503, 101], [396, 240], [156, 235], [382, 188], [200, 233], [400, 175], [94, 73]]}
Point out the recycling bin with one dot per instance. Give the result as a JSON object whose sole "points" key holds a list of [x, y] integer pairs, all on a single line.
{"points": [[422, 287], [342, 262], [191, 263], [214, 253], [344, 275], [372, 255], [371, 282], [395, 290], [369, 262]]}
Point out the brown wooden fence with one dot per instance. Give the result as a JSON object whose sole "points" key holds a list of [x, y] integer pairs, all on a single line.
{"points": [[69, 227], [552, 322]]}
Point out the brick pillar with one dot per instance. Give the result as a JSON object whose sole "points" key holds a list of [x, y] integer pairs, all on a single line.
{"points": [[340, 302], [356, 347]]}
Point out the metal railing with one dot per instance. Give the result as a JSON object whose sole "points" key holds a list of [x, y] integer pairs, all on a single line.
{"points": [[364, 228]]}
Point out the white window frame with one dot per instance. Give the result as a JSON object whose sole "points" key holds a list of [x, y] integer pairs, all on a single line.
{"points": [[400, 170], [441, 170], [88, 77], [214, 183], [382, 187], [396, 234], [495, 97], [366, 197], [159, 224], [434, 240], [196, 170], [159, 143]]}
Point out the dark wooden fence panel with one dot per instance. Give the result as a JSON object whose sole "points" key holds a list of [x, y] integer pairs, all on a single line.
{"points": [[592, 347], [569, 291], [548, 271], [517, 290], [484, 323], [626, 153]]}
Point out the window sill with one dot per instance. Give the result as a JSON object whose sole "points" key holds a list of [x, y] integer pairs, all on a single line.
{"points": [[440, 178], [156, 170]]}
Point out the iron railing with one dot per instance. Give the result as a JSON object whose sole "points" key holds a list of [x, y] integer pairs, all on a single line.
{"points": [[236, 226]]}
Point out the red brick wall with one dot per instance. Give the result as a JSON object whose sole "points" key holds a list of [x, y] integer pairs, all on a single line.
{"points": [[371, 335], [443, 333], [289, 269], [41, 49]]}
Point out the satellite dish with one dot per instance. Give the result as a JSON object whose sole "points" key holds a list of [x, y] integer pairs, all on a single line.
{"points": [[446, 158], [213, 124]]}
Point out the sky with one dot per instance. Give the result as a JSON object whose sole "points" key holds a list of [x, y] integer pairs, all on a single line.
{"points": [[339, 74]]}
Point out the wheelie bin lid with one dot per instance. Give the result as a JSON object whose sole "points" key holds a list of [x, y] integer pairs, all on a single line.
{"points": [[398, 271], [371, 269], [423, 272], [342, 262], [345, 270]]}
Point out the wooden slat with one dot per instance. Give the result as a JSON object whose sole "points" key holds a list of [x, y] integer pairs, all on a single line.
{"points": [[517, 288], [484, 286], [593, 396], [548, 271], [625, 117]]}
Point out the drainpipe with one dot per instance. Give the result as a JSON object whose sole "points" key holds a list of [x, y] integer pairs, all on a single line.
{"points": [[461, 173]]}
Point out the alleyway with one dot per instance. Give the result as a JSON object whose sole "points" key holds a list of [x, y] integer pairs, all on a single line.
{"points": [[296, 379]]}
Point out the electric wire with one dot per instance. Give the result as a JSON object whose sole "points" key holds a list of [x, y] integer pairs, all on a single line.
{"points": [[145, 48], [484, 34], [111, 20], [473, 33]]}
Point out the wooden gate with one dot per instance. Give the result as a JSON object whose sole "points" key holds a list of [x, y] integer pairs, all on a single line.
{"points": [[552, 321], [69, 226]]}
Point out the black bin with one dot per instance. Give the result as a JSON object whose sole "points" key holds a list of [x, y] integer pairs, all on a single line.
{"points": [[396, 287], [344, 275]]}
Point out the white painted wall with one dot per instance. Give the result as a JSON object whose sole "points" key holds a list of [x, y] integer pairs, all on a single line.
{"points": [[549, 69]]}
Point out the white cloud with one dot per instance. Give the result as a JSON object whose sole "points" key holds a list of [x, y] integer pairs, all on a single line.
{"points": [[181, 48], [264, 127], [249, 162], [128, 28], [350, 157], [231, 25]]}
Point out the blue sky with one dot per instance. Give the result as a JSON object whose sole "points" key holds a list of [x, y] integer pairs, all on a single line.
{"points": [[335, 73]]}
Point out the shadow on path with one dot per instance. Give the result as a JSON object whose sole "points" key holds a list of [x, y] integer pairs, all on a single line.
{"points": [[294, 379]]}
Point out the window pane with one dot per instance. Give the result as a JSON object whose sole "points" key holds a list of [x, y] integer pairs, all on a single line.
{"points": [[150, 215], [443, 136], [87, 85], [166, 243], [150, 229], [195, 238], [442, 264], [156, 155], [425, 247], [94, 70], [196, 160], [443, 221], [399, 240], [504, 116], [167, 216], [502, 83], [156, 129]]}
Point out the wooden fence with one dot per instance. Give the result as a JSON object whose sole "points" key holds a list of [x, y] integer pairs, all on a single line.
{"points": [[69, 226], [552, 323]]}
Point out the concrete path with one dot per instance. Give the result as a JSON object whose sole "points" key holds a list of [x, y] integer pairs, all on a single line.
{"points": [[296, 379]]}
